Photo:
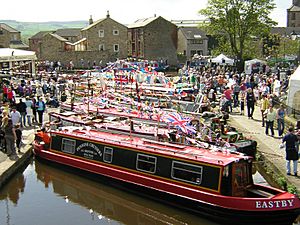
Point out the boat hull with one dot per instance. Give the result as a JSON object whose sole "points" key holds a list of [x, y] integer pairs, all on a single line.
{"points": [[203, 207]]}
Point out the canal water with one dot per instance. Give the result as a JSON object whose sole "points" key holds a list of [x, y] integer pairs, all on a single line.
{"points": [[44, 194]]}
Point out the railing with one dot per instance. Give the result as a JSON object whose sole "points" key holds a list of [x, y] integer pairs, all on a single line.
{"points": [[290, 110]]}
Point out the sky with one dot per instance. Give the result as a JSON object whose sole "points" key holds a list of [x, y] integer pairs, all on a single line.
{"points": [[123, 11]]}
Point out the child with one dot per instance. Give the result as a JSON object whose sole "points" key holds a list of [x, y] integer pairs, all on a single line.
{"points": [[19, 137]]}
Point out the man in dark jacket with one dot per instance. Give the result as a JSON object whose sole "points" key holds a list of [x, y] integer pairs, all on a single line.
{"points": [[291, 141], [250, 100], [21, 107]]}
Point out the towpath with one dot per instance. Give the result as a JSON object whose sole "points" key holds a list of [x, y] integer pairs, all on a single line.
{"points": [[271, 156]]}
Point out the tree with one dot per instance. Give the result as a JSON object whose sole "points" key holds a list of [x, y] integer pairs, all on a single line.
{"points": [[239, 22]]}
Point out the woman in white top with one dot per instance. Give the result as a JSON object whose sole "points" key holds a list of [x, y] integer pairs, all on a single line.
{"points": [[270, 115]]}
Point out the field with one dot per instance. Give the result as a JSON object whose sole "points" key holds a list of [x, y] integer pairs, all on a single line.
{"points": [[28, 29]]}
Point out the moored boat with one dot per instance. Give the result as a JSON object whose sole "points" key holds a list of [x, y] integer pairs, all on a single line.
{"points": [[216, 184]]}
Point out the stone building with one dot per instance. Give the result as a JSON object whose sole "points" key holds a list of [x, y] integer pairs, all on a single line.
{"points": [[10, 38], [293, 14], [154, 39], [191, 41], [102, 41], [70, 34], [35, 42]]}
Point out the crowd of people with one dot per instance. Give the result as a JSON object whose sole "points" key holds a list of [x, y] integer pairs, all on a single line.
{"points": [[23, 102], [258, 90]]}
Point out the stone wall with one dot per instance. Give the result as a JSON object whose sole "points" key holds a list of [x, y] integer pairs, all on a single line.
{"points": [[6, 37], [160, 41]]}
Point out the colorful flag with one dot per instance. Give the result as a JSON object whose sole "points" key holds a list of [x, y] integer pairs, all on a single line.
{"points": [[178, 121]]}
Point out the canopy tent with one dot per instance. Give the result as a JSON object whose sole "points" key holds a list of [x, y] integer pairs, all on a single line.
{"points": [[14, 59], [293, 99], [254, 66], [222, 60]]}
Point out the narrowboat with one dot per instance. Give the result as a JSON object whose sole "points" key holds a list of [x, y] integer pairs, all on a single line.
{"points": [[120, 125], [149, 129], [214, 183]]}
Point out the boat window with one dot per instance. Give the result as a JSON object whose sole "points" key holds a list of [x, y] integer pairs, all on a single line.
{"points": [[146, 163], [68, 145], [108, 154], [187, 172]]}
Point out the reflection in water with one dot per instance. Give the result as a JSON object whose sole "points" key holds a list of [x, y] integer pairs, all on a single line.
{"points": [[107, 203], [54, 196], [12, 190]]}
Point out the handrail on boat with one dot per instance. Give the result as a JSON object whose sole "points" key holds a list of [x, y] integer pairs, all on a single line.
{"points": [[163, 143]]}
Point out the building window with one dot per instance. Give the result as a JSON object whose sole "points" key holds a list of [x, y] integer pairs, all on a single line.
{"points": [[199, 52], [293, 16], [146, 163], [187, 172], [116, 48], [115, 32], [68, 146], [101, 47], [193, 52], [196, 41], [101, 33], [108, 154]]}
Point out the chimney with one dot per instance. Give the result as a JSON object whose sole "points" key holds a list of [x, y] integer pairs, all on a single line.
{"points": [[154, 15], [91, 20], [107, 15]]}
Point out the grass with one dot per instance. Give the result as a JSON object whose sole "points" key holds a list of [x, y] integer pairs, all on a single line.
{"points": [[28, 29]]}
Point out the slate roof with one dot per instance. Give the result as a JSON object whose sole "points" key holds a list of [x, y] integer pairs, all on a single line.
{"points": [[40, 34], [68, 32], [294, 8], [193, 32], [17, 44], [8, 28], [285, 31], [142, 22], [93, 24], [59, 37]]}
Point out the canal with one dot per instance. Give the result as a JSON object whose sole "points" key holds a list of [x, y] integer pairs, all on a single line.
{"points": [[45, 194]]}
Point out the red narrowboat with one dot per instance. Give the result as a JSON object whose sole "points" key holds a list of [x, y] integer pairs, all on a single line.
{"points": [[212, 182]]}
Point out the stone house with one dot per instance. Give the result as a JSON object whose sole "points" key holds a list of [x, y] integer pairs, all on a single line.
{"points": [[153, 38], [102, 41], [35, 42], [70, 34], [293, 14], [10, 38], [191, 41]]}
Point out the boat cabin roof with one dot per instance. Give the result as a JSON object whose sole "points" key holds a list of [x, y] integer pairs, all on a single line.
{"points": [[210, 155]]}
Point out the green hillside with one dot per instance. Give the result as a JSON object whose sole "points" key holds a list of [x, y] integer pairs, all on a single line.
{"points": [[29, 29]]}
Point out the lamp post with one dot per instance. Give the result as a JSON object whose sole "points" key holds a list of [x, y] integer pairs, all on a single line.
{"points": [[294, 36]]}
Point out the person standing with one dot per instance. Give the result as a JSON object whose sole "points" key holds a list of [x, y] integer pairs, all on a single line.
{"points": [[264, 105], [236, 91], [270, 115], [242, 102], [21, 107], [40, 108], [34, 101], [291, 140], [18, 132], [280, 120], [15, 116], [228, 96], [29, 109], [10, 138], [250, 100]]}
